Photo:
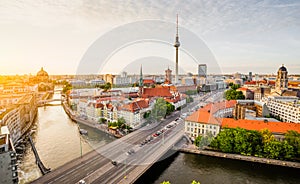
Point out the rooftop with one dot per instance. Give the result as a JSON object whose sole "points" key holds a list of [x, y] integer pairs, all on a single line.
{"points": [[205, 114], [275, 127]]}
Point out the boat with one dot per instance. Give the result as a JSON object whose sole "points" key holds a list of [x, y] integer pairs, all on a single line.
{"points": [[83, 131]]}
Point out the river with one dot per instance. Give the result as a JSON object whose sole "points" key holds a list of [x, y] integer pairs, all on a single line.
{"points": [[182, 168], [58, 141]]}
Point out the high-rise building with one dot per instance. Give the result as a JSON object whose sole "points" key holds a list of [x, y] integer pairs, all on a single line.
{"points": [[176, 45], [202, 70], [250, 76]]}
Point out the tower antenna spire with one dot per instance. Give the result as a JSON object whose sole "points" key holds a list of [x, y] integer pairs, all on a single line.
{"points": [[177, 25]]}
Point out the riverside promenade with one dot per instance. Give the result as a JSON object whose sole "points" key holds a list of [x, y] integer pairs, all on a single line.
{"points": [[194, 150], [89, 123]]}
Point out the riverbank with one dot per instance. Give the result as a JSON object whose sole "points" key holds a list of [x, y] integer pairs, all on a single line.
{"points": [[193, 149], [92, 124]]}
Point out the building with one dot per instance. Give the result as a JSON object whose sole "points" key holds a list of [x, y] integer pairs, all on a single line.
{"points": [[250, 76], [133, 112], [261, 92], [243, 107], [281, 84], [285, 108], [249, 94], [109, 78], [168, 76], [42, 76], [8, 160], [281, 79], [20, 116], [202, 70], [207, 120]]}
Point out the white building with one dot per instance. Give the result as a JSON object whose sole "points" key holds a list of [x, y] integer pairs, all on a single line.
{"points": [[133, 112], [287, 108]]}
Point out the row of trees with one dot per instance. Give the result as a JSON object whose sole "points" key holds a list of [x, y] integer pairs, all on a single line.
{"points": [[233, 94], [68, 86], [255, 143]]}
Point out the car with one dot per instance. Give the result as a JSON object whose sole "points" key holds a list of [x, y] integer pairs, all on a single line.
{"points": [[130, 152], [82, 182], [114, 162]]}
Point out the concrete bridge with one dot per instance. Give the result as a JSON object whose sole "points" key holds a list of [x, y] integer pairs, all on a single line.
{"points": [[131, 159], [47, 102]]}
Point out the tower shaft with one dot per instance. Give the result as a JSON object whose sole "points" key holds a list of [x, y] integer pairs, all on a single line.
{"points": [[176, 69], [176, 45]]}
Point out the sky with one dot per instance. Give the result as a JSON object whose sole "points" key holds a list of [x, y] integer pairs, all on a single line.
{"points": [[240, 36]]}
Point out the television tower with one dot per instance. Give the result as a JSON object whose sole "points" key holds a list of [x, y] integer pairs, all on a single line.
{"points": [[176, 45]]}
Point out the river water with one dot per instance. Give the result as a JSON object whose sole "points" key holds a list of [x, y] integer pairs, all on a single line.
{"points": [[57, 141], [182, 168]]}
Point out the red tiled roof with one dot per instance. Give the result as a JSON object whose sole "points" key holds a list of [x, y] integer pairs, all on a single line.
{"points": [[250, 82], [242, 89], [148, 81], [271, 82], [174, 100], [274, 127], [205, 114], [156, 92], [98, 105], [135, 106]]}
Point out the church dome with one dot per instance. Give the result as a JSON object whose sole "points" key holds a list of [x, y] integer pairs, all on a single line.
{"points": [[282, 68], [42, 72]]}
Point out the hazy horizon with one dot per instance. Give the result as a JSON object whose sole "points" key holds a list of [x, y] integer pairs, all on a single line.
{"points": [[242, 36]]}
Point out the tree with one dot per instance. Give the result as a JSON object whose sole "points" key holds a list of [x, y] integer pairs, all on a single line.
{"points": [[170, 108], [159, 110], [293, 139], [102, 120], [147, 114], [232, 94], [235, 86], [197, 140], [67, 87]]}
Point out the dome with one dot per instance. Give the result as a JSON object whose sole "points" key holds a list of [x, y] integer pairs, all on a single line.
{"points": [[42, 72], [282, 68]]}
